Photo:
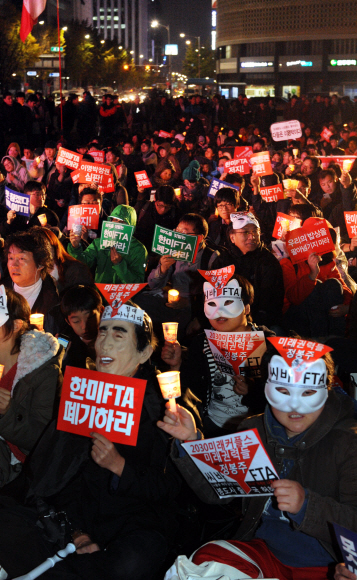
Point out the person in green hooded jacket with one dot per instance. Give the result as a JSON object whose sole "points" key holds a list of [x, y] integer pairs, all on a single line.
{"points": [[111, 266]]}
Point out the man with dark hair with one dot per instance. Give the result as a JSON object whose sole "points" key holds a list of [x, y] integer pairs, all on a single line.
{"points": [[227, 200]]}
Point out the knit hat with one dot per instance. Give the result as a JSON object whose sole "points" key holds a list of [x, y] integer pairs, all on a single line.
{"points": [[192, 172]]}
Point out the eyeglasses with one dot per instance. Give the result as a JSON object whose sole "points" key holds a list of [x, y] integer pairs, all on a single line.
{"points": [[245, 233], [161, 205], [224, 205]]}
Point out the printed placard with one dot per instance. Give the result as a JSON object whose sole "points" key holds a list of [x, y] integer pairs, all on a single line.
{"points": [[351, 223], [313, 236], [234, 465], [165, 135], [102, 403], [296, 349], [237, 353], [182, 247], [217, 184], [68, 158], [95, 173], [347, 540], [142, 179], [117, 294], [286, 130], [218, 278], [260, 163], [240, 166], [326, 134], [117, 235], [272, 193], [283, 224], [85, 214], [338, 159], [243, 153], [16, 201], [98, 156]]}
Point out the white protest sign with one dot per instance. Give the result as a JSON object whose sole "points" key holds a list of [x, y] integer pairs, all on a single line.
{"points": [[285, 130]]}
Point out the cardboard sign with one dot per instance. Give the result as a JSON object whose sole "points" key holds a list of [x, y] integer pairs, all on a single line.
{"points": [[85, 214], [351, 223], [234, 465], [94, 173], [272, 193], [340, 160], [16, 201], [347, 540], [182, 247], [292, 349], [68, 158], [237, 353], [117, 235], [260, 163], [218, 278], [283, 224], [117, 294], [102, 403], [217, 184], [98, 156], [285, 130], [326, 134], [142, 179], [165, 135], [240, 166], [313, 236]]}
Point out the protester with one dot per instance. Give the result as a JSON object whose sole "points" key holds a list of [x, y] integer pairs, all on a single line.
{"points": [[16, 175]]}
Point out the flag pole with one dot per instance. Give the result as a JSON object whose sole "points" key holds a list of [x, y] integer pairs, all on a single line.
{"points": [[60, 64]]}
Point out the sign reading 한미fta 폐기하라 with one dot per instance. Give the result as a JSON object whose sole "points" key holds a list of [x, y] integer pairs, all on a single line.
{"points": [[117, 235], [181, 247]]}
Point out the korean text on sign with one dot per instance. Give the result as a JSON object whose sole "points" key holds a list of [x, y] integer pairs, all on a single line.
{"points": [[347, 541], [117, 235], [351, 223], [286, 130], [260, 163], [234, 465], [19, 202], [142, 179], [217, 184], [237, 353], [237, 166], [272, 193], [304, 241], [68, 158], [86, 214], [99, 402], [117, 294], [182, 247], [284, 223]]}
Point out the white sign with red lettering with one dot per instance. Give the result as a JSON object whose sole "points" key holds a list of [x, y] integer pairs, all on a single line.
{"points": [[237, 353], [286, 130]]}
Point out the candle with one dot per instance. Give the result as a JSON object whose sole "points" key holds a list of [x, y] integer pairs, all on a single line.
{"points": [[291, 167], [177, 191], [1, 370], [173, 295], [38, 159], [347, 164], [170, 331], [37, 320], [42, 219], [170, 387], [296, 152]]}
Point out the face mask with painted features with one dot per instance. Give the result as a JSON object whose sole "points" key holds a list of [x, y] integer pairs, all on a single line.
{"points": [[223, 303], [301, 387]]}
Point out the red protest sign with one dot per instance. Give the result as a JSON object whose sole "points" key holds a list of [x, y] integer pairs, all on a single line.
{"points": [[342, 161], [218, 278], [75, 176], [101, 402], [165, 134], [284, 223], [295, 348], [68, 158], [351, 223], [237, 353], [313, 236], [117, 294], [243, 153], [98, 156], [326, 134], [236, 166], [142, 179], [86, 214], [272, 193], [260, 163]]}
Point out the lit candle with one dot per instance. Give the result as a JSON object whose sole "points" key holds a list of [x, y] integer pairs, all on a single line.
{"points": [[173, 295], [347, 164], [38, 159], [296, 152], [42, 219], [37, 320], [170, 387], [291, 167], [1, 370], [170, 331]]}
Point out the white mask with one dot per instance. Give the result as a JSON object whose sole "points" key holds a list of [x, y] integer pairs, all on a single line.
{"points": [[4, 315], [241, 219], [215, 300], [296, 380]]}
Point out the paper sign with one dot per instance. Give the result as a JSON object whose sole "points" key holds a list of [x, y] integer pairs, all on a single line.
{"points": [[16, 201], [285, 130], [102, 403], [165, 135], [243, 153], [117, 294], [292, 349], [68, 158], [142, 179], [75, 176], [240, 166], [117, 235], [98, 156], [347, 540], [260, 163], [237, 353], [85, 214], [326, 134], [313, 236], [234, 465], [284, 223], [351, 223], [272, 193], [325, 161], [218, 278], [217, 184], [95, 173], [182, 247]]}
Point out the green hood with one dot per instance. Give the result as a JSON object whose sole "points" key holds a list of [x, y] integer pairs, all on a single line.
{"points": [[125, 213]]}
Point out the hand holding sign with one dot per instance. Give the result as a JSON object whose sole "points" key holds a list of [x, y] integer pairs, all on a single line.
{"points": [[289, 494], [105, 454], [341, 573], [115, 257], [74, 239], [313, 262], [10, 216], [165, 263], [180, 425]]}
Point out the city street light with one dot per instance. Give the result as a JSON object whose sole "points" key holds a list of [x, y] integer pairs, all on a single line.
{"points": [[198, 38], [156, 24], [65, 28]]}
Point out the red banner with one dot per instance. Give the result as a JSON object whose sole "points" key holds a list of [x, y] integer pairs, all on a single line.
{"points": [[313, 236], [165, 134], [283, 224], [326, 134], [68, 158], [102, 403], [218, 278], [272, 193], [116, 294], [295, 348], [86, 214], [142, 179], [237, 353], [351, 223], [260, 163], [98, 156], [236, 166], [340, 160]]}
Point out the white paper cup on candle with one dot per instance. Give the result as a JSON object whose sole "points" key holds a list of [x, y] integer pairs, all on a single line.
{"points": [[77, 229], [37, 320], [1, 370], [347, 164], [170, 387], [173, 295], [296, 152], [170, 331], [42, 219]]}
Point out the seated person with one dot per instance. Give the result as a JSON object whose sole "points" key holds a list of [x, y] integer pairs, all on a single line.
{"points": [[333, 189], [226, 201], [306, 429], [16, 175], [224, 400], [111, 266], [89, 196], [28, 386], [194, 197]]}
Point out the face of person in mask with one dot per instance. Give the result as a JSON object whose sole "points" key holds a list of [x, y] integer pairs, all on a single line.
{"points": [[225, 309]]}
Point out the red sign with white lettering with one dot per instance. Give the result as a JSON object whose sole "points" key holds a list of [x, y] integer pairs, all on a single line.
{"points": [[142, 179], [260, 163], [272, 192], [351, 223], [313, 236], [86, 214]]}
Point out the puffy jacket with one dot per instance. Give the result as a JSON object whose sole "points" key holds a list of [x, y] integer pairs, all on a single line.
{"points": [[19, 174]]}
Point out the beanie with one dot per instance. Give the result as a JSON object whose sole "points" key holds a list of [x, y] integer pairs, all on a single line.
{"points": [[192, 172]]}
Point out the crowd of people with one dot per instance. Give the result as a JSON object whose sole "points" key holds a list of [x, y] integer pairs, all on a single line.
{"points": [[127, 508]]}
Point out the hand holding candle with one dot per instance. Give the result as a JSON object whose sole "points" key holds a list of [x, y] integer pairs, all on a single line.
{"points": [[170, 387], [170, 331], [173, 295], [37, 320]]}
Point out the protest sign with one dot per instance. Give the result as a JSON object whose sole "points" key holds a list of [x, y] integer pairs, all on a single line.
{"points": [[339, 159], [326, 134], [68, 158], [236, 166], [237, 353], [86, 214], [116, 234], [102, 403], [217, 184], [218, 278], [165, 135], [16, 201], [313, 236], [243, 153], [351, 223], [260, 163], [347, 540], [95, 173], [142, 179], [98, 156], [234, 465], [272, 193], [298, 349], [284, 223], [182, 247], [117, 294], [285, 130]]}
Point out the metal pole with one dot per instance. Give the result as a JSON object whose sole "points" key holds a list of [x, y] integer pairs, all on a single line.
{"points": [[59, 62], [199, 56], [168, 34]]}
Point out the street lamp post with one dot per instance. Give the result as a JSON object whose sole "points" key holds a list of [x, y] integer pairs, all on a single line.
{"points": [[155, 24], [198, 38]]}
